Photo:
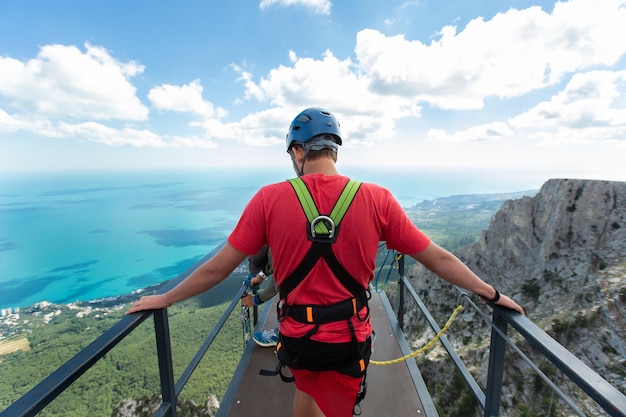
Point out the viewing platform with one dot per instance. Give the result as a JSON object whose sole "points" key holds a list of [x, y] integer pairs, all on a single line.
{"points": [[395, 390]]}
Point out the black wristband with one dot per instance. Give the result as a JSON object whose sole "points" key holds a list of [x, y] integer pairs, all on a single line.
{"points": [[494, 299], [257, 300]]}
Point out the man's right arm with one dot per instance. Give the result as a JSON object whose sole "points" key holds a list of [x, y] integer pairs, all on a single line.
{"points": [[206, 276]]}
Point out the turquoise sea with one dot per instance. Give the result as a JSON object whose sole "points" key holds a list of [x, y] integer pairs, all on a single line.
{"points": [[69, 236]]}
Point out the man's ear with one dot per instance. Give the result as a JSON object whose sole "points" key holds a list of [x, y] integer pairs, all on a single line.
{"points": [[298, 153]]}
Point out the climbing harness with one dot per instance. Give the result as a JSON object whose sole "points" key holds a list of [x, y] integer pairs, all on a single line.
{"points": [[428, 345], [322, 231], [349, 358]]}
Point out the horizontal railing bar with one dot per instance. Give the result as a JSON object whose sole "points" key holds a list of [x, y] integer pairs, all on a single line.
{"points": [[600, 390]]}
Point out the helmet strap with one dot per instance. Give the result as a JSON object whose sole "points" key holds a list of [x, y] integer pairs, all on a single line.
{"points": [[306, 153], [299, 170]]}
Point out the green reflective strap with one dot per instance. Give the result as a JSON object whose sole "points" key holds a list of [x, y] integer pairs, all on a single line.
{"points": [[344, 201], [310, 209], [308, 205]]}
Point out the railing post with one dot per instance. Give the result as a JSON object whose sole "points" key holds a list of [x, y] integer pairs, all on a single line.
{"points": [[255, 313], [166, 370], [495, 368], [401, 292]]}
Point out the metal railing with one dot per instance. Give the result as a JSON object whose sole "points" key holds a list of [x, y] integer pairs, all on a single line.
{"points": [[54, 384], [603, 393], [597, 388]]}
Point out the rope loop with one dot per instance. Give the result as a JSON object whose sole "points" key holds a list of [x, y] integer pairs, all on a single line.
{"points": [[428, 345]]}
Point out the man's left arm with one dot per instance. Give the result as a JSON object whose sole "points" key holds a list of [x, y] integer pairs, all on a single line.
{"points": [[450, 268]]}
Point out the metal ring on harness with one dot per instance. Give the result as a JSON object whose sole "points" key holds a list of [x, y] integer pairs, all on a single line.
{"points": [[327, 222]]}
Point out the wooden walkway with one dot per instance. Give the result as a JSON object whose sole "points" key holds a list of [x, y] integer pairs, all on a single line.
{"points": [[391, 389]]}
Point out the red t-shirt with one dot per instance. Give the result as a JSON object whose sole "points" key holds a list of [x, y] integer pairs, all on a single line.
{"points": [[274, 216]]}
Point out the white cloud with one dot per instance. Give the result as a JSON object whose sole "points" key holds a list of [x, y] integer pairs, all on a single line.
{"points": [[192, 142], [337, 85], [185, 98], [62, 81], [251, 89], [318, 6], [512, 54], [14, 123], [97, 132], [583, 111], [487, 132], [9, 123], [255, 129]]}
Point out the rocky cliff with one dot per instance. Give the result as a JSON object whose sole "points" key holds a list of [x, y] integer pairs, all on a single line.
{"points": [[562, 255]]}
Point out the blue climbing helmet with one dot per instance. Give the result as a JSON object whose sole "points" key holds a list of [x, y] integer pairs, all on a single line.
{"points": [[311, 123]]}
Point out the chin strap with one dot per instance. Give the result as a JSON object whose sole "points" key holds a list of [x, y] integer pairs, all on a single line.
{"points": [[300, 170]]}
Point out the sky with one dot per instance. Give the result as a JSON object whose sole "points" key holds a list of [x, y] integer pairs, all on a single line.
{"points": [[511, 87]]}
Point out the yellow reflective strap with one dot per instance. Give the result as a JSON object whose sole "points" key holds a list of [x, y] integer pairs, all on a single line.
{"points": [[308, 205], [344, 201], [311, 211], [306, 201]]}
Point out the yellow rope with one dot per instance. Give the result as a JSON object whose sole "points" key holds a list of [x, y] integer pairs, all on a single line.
{"points": [[457, 310]]}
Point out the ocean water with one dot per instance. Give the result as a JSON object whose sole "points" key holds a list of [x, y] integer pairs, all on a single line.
{"points": [[85, 235]]}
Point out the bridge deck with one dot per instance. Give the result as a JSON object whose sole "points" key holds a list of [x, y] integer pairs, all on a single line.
{"points": [[391, 389]]}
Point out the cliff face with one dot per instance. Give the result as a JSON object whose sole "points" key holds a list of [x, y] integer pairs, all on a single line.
{"points": [[562, 255], [558, 247]]}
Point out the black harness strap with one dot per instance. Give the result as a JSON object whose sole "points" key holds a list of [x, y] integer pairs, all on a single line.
{"points": [[320, 314], [324, 251]]}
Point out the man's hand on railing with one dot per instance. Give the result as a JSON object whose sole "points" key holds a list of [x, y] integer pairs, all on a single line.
{"points": [[248, 300], [254, 281], [149, 302], [506, 301]]}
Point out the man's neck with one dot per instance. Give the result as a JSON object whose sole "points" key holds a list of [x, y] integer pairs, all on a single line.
{"points": [[325, 166]]}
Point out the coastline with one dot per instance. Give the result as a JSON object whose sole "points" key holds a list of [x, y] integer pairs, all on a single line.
{"points": [[17, 320]]}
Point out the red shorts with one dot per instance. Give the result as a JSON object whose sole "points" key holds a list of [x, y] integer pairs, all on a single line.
{"points": [[334, 393]]}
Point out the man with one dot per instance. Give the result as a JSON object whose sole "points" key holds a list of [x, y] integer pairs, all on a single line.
{"points": [[276, 215]]}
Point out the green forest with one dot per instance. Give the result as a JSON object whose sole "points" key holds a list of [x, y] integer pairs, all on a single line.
{"points": [[130, 370]]}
